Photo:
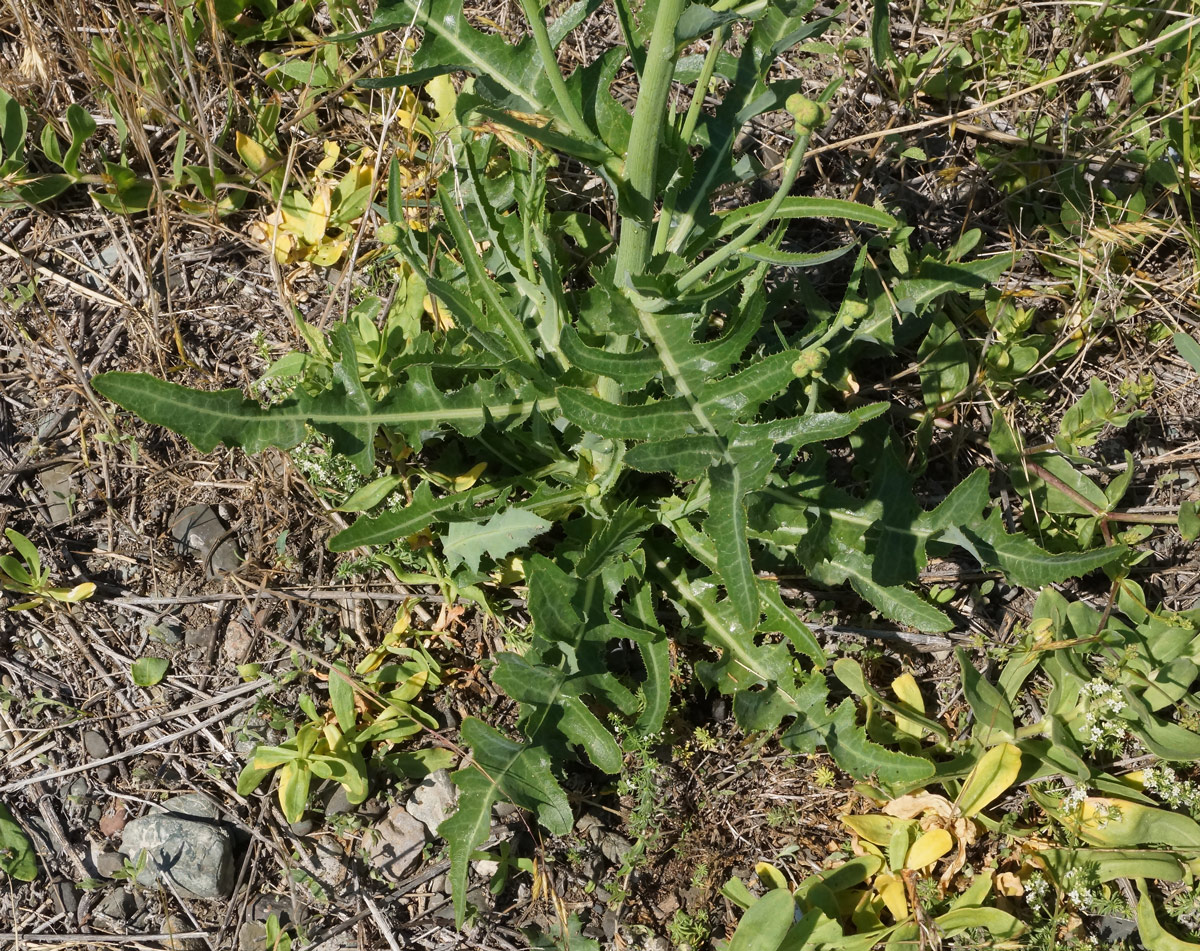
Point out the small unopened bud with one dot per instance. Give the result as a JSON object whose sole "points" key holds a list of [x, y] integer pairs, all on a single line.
{"points": [[810, 362], [388, 234], [808, 114]]}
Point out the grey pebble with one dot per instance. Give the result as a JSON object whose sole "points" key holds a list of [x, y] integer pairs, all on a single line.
{"points": [[183, 841], [96, 747], [432, 802], [396, 843], [199, 532]]}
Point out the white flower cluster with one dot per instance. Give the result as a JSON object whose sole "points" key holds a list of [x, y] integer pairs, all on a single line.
{"points": [[1037, 893], [1080, 890], [325, 468], [1163, 782], [1102, 705]]}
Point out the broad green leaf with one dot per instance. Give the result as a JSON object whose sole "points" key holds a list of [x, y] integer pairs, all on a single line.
{"points": [[735, 396], [502, 534], [995, 772], [1188, 348], [945, 364], [554, 707], [149, 671], [997, 922], [501, 769], [631, 369], [1120, 824], [1110, 864], [766, 923], [16, 852], [881, 39], [852, 751], [368, 496], [993, 715], [341, 696]]}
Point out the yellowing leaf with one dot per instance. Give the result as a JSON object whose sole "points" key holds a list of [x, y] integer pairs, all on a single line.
{"points": [[906, 690], [253, 154], [318, 216], [770, 876], [996, 770], [891, 890], [332, 152], [876, 829], [81, 592], [929, 848]]}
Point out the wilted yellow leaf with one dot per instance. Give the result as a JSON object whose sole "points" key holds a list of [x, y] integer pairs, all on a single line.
{"points": [[929, 848], [891, 890]]}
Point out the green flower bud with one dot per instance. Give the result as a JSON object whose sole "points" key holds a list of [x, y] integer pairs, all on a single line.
{"points": [[810, 362], [807, 113], [388, 234]]}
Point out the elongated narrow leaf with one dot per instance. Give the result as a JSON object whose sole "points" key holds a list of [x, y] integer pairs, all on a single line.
{"points": [[1022, 561], [416, 516], [227, 416], [783, 619], [729, 483], [688, 457], [764, 252], [804, 207], [630, 369]]}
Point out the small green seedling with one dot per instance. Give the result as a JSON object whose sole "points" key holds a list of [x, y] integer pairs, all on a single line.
{"points": [[26, 576]]}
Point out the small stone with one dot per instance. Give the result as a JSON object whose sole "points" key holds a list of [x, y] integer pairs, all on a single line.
{"points": [[252, 936], [264, 906], [113, 818], [177, 925], [302, 827], [108, 864], [169, 631], [331, 863], [120, 904], [615, 847], [591, 826], [339, 802], [487, 869], [59, 492], [237, 643], [396, 843], [199, 532], [433, 801], [96, 747], [183, 841]]}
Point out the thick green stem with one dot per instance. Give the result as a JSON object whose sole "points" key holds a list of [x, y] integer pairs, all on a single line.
{"points": [[688, 130], [645, 136], [541, 38]]}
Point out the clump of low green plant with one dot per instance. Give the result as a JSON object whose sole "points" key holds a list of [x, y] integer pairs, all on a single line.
{"points": [[636, 417]]}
